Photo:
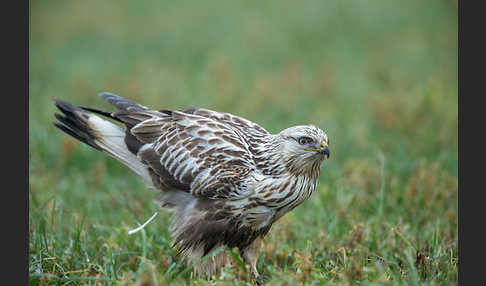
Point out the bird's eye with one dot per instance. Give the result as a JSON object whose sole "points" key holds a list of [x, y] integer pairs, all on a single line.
{"points": [[305, 140]]}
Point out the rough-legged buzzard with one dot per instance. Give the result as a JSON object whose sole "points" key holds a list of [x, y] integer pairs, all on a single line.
{"points": [[226, 178]]}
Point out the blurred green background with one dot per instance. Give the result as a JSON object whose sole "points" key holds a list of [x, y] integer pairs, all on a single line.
{"points": [[380, 77]]}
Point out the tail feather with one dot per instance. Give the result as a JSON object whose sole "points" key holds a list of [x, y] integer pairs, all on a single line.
{"points": [[121, 103], [72, 124], [98, 133]]}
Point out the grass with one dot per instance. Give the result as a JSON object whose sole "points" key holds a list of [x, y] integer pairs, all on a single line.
{"points": [[379, 77]]}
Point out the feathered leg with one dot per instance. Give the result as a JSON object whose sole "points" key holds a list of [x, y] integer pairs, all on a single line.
{"points": [[250, 256]]}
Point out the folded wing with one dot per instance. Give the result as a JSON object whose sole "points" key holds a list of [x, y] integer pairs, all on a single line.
{"points": [[199, 151]]}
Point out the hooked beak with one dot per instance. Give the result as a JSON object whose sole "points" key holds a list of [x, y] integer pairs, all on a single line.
{"points": [[323, 149]]}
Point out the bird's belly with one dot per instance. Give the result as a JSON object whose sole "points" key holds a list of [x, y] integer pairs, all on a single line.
{"points": [[259, 217]]}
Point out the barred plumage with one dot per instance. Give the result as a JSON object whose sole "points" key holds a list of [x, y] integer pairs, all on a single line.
{"points": [[226, 178]]}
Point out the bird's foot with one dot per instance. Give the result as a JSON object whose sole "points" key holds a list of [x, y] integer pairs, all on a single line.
{"points": [[261, 279], [258, 279]]}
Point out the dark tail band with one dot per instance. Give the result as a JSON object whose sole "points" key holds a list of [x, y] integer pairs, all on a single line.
{"points": [[75, 123]]}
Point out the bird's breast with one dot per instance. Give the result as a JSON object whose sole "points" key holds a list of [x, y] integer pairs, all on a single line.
{"points": [[274, 197]]}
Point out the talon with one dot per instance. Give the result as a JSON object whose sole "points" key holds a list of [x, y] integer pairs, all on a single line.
{"points": [[260, 279]]}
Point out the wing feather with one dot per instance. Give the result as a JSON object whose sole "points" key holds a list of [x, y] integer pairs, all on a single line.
{"points": [[200, 151]]}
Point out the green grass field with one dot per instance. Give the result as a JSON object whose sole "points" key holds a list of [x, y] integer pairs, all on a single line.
{"points": [[380, 77]]}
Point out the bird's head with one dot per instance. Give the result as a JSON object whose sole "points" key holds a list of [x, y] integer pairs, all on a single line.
{"points": [[304, 147]]}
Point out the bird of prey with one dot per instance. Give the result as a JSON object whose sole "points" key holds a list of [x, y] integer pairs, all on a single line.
{"points": [[226, 179]]}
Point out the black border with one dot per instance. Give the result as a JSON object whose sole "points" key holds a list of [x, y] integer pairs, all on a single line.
{"points": [[15, 143], [471, 120]]}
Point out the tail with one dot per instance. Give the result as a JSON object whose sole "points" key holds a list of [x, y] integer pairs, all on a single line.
{"points": [[101, 134]]}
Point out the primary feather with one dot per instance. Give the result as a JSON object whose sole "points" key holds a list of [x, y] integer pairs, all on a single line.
{"points": [[226, 178]]}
